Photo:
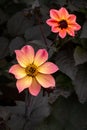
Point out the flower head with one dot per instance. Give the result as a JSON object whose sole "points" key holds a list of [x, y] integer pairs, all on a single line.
{"points": [[33, 70], [62, 22]]}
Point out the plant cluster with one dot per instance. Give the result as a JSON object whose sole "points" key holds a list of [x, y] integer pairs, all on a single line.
{"points": [[44, 56]]}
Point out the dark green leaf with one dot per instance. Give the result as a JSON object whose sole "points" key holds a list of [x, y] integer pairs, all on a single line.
{"points": [[64, 81], [31, 32], [11, 8], [28, 2], [3, 17], [38, 109], [37, 44], [65, 61], [80, 55], [63, 87], [67, 114], [61, 2], [16, 43], [71, 6], [84, 42], [80, 83], [80, 4], [84, 30], [4, 42], [18, 24]]}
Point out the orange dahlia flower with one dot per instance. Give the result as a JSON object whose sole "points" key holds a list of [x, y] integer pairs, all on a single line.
{"points": [[62, 22], [32, 70]]}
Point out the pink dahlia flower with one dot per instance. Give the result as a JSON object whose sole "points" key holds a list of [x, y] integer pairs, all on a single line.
{"points": [[62, 22], [33, 70]]}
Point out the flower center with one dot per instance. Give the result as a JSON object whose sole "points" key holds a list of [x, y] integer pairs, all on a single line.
{"points": [[63, 24], [31, 70]]}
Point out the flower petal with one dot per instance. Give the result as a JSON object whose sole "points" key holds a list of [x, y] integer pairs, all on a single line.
{"points": [[62, 33], [48, 68], [71, 18], [23, 83], [63, 13], [55, 29], [40, 57], [21, 58], [75, 26], [71, 32], [52, 22], [28, 52], [45, 80], [18, 71], [54, 14], [35, 87]]}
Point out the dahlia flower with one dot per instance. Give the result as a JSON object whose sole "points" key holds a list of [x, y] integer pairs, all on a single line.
{"points": [[62, 22], [33, 70]]}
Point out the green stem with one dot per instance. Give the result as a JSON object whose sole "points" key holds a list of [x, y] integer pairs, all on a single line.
{"points": [[26, 103], [28, 99]]}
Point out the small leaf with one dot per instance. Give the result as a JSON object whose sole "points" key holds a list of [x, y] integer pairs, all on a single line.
{"points": [[16, 43], [4, 47], [61, 3], [37, 44], [52, 50], [4, 114], [80, 4], [64, 81], [18, 24], [3, 17], [64, 87], [42, 2], [16, 122], [42, 126], [28, 2], [84, 42], [37, 32], [84, 30], [39, 109], [72, 7], [80, 83], [65, 61], [67, 114], [80, 55], [11, 8]]}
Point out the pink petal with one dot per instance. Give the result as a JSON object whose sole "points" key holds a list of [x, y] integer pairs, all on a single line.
{"points": [[55, 29], [18, 71], [75, 26], [71, 18], [54, 14], [23, 83], [29, 53], [40, 57], [62, 33], [21, 58], [48, 68], [45, 80], [71, 32], [78, 27], [63, 13], [35, 87], [52, 22]]}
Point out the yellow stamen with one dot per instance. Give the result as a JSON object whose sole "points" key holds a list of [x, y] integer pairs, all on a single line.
{"points": [[31, 70]]}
